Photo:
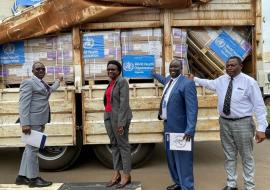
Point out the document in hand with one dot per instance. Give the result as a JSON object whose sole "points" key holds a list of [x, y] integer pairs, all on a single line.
{"points": [[36, 139], [175, 141]]}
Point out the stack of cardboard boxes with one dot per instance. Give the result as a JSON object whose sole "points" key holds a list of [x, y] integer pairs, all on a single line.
{"points": [[54, 52], [215, 45], [180, 47], [98, 49], [143, 42]]}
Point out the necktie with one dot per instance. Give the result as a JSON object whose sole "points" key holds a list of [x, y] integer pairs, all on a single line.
{"points": [[227, 100], [48, 90], [46, 85], [160, 106]]}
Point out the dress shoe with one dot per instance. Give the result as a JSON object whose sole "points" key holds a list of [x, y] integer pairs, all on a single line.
{"points": [[121, 186], [21, 180], [112, 183], [174, 187], [229, 188], [39, 182]]}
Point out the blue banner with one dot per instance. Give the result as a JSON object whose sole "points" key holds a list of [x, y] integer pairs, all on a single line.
{"points": [[138, 66], [12, 53], [93, 47], [224, 46], [27, 2]]}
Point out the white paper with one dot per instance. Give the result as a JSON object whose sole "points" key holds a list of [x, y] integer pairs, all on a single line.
{"points": [[178, 143], [34, 139]]}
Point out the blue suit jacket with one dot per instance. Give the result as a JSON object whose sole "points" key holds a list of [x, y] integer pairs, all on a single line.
{"points": [[182, 106]]}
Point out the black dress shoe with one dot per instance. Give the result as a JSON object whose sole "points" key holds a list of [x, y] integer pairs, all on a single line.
{"points": [[174, 187], [39, 182], [229, 188], [121, 186], [21, 180], [112, 183]]}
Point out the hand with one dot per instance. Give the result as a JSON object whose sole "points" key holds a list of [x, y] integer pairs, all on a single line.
{"points": [[26, 129], [187, 137], [120, 130], [259, 136], [60, 76], [190, 76]]}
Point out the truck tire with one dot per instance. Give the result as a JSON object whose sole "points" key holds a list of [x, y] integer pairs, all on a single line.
{"points": [[58, 158], [140, 153]]}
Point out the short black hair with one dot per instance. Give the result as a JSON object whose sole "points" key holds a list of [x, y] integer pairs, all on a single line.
{"points": [[180, 61], [235, 57], [35, 63], [117, 63]]}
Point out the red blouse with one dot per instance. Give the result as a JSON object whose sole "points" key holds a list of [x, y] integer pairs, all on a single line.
{"points": [[108, 107]]}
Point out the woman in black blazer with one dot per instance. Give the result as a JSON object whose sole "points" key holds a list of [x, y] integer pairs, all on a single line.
{"points": [[117, 118]]}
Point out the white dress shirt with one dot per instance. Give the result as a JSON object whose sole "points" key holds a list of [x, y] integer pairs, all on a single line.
{"points": [[166, 97], [246, 97]]}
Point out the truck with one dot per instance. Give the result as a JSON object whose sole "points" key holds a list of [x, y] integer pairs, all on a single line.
{"points": [[77, 106]]}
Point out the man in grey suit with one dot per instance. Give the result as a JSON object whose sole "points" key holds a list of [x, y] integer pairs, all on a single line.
{"points": [[34, 113]]}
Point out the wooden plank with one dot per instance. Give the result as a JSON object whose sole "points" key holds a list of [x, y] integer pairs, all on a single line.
{"points": [[148, 14], [151, 126], [133, 138], [212, 7], [149, 103], [207, 136], [77, 58], [149, 114], [229, 1], [151, 138], [218, 22], [52, 141], [214, 15], [61, 130], [167, 40], [52, 129], [8, 107], [190, 42], [121, 25]]}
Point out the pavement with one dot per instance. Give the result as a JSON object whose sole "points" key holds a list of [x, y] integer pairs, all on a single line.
{"points": [[72, 186]]}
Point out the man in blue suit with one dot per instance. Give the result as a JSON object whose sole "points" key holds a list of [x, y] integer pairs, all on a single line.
{"points": [[179, 109]]}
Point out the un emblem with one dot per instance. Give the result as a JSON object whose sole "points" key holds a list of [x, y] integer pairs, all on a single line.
{"points": [[8, 48], [89, 43], [128, 66], [220, 42]]}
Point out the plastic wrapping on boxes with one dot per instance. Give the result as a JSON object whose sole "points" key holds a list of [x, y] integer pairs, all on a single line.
{"points": [[98, 49], [180, 47], [143, 42], [207, 37], [54, 52]]}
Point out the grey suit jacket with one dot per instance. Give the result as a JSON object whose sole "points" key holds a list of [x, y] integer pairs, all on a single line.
{"points": [[121, 112], [34, 106]]}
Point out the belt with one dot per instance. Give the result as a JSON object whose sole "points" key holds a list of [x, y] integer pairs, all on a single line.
{"points": [[234, 119]]}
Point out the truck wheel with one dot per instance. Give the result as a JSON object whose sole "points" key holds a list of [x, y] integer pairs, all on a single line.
{"points": [[58, 158], [140, 153]]}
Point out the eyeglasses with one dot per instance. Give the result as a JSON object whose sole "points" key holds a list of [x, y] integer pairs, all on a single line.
{"points": [[40, 69]]}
